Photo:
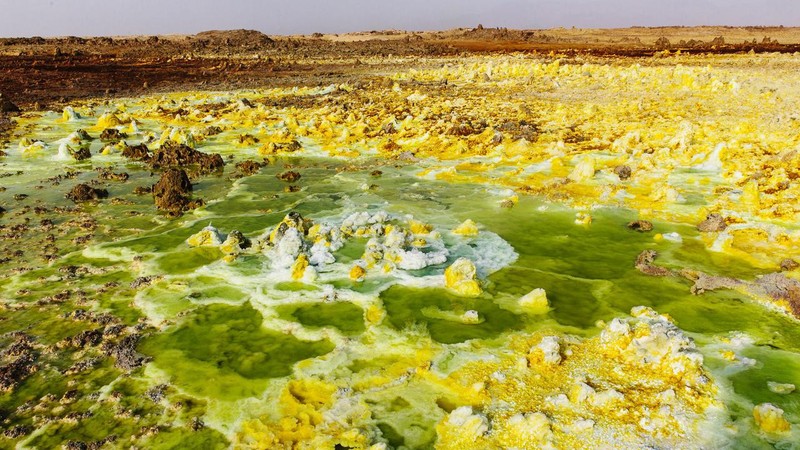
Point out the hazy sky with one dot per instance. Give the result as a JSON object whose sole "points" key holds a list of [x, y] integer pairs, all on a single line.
{"points": [[115, 17]]}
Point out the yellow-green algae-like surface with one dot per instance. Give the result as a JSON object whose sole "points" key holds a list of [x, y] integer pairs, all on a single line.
{"points": [[366, 313]]}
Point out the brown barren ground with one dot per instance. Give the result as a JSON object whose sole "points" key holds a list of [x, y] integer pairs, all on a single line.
{"points": [[39, 73]]}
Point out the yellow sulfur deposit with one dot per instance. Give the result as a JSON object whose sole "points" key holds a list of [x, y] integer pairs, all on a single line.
{"points": [[311, 415], [108, 120], [418, 227], [463, 429], [207, 237], [69, 114], [640, 382], [639, 379], [467, 228], [235, 243], [460, 278], [769, 418], [28, 146], [357, 273], [299, 267], [583, 219], [584, 170], [535, 302]]}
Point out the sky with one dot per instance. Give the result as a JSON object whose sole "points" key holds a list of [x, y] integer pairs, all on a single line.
{"points": [[133, 17]]}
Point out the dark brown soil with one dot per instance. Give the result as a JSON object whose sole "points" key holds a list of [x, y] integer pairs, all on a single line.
{"points": [[6, 105]]}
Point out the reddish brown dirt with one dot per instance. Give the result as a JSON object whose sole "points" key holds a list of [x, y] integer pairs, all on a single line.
{"points": [[48, 73], [52, 80]]}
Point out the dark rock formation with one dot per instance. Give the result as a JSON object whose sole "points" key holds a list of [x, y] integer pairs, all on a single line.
{"points": [[112, 135], [84, 192], [644, 264], [713, 223], [641, 225], [171, 192], [125, 353], [623, 172], [249, 167], [136, 152], [21, 365], [289, 176], [81, 153], [789, 264], [172, 154]]}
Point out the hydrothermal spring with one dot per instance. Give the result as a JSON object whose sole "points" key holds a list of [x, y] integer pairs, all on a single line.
{"points": [[451, 269]]}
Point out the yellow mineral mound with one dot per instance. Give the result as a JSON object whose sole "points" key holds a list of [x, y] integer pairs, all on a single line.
{"points": [[463, 428], [28, 146], [584, 170], [769, 419], [535, 302], [357, 273], [640, 382], [207, 237], [292, 220], [467, 228], [299, 267], [311, 414], [418, 227], [460, 278], [69, 115], [235, 243], [108, 120]]}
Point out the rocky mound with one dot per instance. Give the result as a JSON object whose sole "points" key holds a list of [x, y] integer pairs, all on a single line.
{"points": [[175, 155], [136, 152], [84, 192], [236, 38], [171, 192], [249, 167]]}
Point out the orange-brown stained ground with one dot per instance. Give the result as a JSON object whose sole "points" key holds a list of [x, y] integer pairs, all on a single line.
{"points": [[52, 72]]}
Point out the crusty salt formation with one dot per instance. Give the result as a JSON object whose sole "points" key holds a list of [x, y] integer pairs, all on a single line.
{"points": [[640, 383], [298, 249]]}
